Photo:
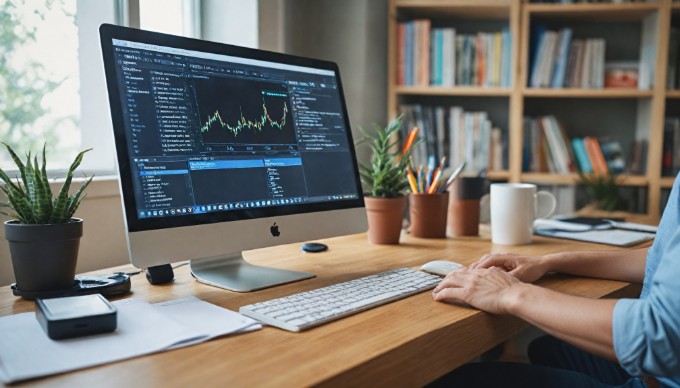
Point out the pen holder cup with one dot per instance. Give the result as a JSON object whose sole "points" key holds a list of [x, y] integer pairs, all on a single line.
{"points": [[463, 212], [428, 214]]}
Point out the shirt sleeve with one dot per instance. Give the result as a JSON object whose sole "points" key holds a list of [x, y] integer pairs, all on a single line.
{"points": [[646, 331]]}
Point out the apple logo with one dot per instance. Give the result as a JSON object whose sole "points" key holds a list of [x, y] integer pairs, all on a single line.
{"points": [[275, 230]]}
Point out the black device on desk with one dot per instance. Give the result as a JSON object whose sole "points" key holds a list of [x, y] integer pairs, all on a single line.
{"points": [[76, 316], [223, 149]]}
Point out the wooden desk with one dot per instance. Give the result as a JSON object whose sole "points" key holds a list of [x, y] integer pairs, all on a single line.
{"points": [[406, 343]]}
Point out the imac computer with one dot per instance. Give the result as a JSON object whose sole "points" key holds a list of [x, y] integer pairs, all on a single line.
{"points": [[223, 149]]}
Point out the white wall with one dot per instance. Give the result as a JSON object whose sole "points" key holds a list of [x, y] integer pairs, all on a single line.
{"points": [[230, 21], [352, 33]]}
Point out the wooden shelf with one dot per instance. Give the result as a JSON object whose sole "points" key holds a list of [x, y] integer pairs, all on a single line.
{"points": [[587, 93], [570, 179], [593, 12], [490, 10], [498, 175], [667, 182], [451, 91], [519, 100]]}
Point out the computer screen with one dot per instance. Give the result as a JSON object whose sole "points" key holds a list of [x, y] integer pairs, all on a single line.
{"points": [[228, 146]]}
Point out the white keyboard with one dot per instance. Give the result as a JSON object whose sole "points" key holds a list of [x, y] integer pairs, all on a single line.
{"points": [[301, 311]]}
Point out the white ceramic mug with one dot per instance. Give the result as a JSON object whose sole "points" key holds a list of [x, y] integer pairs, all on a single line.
{"points": [[514, 207]]}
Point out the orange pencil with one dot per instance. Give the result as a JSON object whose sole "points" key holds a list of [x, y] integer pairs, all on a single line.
{"points": [[435, 181], [409, 140]]}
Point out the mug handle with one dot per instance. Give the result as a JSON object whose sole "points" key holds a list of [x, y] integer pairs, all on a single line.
{"points": [[545, 203]]}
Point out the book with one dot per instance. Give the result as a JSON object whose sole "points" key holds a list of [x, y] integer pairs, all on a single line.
{"points": [[613, 155], [597, 159], [560, 70], [401, 54], [647, 53], [581, 155], [638, 159], [537, 47]]}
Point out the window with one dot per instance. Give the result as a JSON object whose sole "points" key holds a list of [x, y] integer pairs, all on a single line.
{"points": [[52, 87], [39, 81]]}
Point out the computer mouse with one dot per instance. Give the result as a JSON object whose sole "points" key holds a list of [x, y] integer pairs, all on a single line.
{"points": [[440, 267]]}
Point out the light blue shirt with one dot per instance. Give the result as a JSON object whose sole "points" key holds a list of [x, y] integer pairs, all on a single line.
{"points": [[646, 331]]}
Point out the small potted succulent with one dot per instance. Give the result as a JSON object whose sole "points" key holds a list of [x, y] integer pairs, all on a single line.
{"points": [[385, 178], [43, 235]]}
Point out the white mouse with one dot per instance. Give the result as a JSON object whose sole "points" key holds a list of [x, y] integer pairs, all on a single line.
{"points": [[440, 267]]}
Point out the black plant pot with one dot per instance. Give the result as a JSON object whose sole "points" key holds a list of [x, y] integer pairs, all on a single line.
{"points": [[44, 257]]}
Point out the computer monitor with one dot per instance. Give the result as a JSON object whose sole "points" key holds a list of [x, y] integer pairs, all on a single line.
{"points": [[223, 149]]}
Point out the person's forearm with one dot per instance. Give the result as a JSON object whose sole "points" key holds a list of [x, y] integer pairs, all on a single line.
{"points": [[585, 323], [624, 265]]}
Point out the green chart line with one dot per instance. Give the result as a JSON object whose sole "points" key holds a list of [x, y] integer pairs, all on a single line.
{"points": [[244, 123]]}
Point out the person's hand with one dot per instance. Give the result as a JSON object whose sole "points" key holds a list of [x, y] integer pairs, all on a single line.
{"points": [[487, 289], [525, 268]]}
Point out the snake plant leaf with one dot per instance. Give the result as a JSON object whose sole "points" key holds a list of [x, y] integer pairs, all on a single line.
{"points": [[8, 181], [43, 173], [17, 161], [75, 199]]}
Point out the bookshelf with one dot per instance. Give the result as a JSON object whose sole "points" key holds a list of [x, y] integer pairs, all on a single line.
{"points": [[620, 25]]}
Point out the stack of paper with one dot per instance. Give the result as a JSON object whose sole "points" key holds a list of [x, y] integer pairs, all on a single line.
{"points": [[26, 352]]}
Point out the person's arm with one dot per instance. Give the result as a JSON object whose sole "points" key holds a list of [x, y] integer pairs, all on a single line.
{"points": [[623, 265], [583, 322]]}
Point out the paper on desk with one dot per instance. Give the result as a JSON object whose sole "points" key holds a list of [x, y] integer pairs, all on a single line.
{"points": [[26, 351], [212, 320]]}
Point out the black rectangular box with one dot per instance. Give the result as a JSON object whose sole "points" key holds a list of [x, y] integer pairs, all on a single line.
{"points": [[76, 316]]}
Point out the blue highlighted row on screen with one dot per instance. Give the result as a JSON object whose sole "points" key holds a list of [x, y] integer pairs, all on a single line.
{"points": [[246, 163], [228, 164]]}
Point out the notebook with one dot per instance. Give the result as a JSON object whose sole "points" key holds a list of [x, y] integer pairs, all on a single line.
{"points": [[618, 237]]}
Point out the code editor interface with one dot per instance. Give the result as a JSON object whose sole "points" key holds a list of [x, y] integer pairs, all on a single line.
{"points": [[211, 133]]}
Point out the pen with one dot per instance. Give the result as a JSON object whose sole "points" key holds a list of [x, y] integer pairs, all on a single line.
{"points": [[454, 175]]}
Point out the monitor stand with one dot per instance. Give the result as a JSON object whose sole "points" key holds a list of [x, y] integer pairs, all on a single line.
{"points": [[235, 274]]}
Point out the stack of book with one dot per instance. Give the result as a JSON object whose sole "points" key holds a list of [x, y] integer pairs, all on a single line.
{"points": [[457, 135], [558, 61], [670, 164], [598, 156], [546, 146], [547, 149], [443, 57]]}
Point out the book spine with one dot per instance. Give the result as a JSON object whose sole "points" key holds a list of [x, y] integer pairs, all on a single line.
{"points": [[401, 54], [563, 53], [581, 155]]}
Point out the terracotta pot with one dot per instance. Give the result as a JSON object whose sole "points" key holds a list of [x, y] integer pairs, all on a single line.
{"points": [[428, 214], [385, 216]]}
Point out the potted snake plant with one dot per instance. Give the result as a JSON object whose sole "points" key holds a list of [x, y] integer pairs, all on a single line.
{"points": [[387, 182], [43, 236]]}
